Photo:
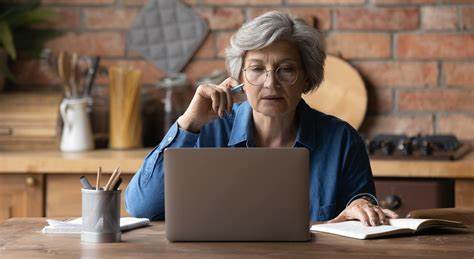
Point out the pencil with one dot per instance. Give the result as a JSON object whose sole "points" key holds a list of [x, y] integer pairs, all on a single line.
{"points": [[109, 182], [97, 185], [114, 181]]}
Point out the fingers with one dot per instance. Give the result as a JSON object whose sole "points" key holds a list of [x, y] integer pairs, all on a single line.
{"points": [[373, 215], [341, 217], [229, 83], [363, 217], [219, 98], [228, 97], [215, 101], [222, 102], [381, 215], [390, 213]]}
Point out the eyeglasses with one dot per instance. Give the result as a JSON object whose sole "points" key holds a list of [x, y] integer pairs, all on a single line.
{"points": [[257, 75]]}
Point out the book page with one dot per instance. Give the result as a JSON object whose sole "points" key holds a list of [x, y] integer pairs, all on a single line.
{"points": [[356, 229], [407, 223]]}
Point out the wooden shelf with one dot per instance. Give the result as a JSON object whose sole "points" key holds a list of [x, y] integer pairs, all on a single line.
{"points": [[51, 162]]}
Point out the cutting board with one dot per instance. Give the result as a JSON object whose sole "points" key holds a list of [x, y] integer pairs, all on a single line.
{"points": [[341, 94]]}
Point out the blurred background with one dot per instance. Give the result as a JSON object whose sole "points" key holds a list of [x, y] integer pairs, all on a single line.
{"points": [[415, 56], [411, 63]]}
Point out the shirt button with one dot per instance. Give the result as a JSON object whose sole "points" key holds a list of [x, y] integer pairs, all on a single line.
{"points": [[169, 139]]}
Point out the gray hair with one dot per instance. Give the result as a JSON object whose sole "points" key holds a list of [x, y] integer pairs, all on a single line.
{"points": [[274, 26]]}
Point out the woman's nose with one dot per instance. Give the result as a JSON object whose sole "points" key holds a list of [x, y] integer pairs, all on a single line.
{"points": [[270, 80]]}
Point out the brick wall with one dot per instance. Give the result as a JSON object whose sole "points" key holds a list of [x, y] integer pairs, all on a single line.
{"points": [[416, 56]]}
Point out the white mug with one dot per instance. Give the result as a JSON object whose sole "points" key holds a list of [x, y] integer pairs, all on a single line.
{"points": [[77, 131]]}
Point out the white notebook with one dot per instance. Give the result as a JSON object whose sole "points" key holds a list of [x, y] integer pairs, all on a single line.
{"points": [[355, 229], [74, 226]]}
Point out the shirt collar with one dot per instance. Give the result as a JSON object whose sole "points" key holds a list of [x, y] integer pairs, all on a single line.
{"points": [[242, 128]]}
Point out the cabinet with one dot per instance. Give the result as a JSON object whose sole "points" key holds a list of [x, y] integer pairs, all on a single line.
{"points": [[63, 193], [21, 195], [46, 183], [403, 195]]}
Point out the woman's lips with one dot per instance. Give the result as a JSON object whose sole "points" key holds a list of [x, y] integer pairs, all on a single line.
{"points": [[272, 98]]}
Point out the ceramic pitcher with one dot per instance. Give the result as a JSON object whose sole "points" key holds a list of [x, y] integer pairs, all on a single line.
{"points": [[77, 131]]}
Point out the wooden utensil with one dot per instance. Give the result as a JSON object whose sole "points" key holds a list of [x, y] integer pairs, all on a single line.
{"points": [[64, 71], [73, 79]]}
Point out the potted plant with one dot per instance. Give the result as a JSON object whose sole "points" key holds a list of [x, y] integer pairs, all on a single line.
{"points": [[20, 32]]}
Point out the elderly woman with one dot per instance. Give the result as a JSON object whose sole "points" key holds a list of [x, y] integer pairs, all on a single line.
{"points": [[277, 58]]}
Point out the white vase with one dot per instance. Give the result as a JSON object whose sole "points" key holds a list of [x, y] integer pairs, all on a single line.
{"points": [[77, 131]]}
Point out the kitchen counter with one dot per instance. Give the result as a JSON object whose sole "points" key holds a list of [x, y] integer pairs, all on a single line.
{"points": [[52, 162], [45, 183]]}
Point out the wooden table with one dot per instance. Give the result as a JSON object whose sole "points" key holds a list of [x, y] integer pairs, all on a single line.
{"points": [[21, 238]]}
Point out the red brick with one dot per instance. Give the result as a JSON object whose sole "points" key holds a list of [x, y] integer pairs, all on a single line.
{"points": [[32, 71], [429, 46], [359, 45], [459, 74], [397, 124], [107, 18], [78, 2], [90, 43], [135, 2], [64, 18], [191, 2], [309, 14], [144, 2], [331, 2], [379, 100], [457, 1], [436, 100], [377, 19], [150, 74], [223, 17], [207, 49], [439, 18], [461, 125], [199, 68], [397, 2], [395, 74], [468, 18], [242, 2], [223, 41]]}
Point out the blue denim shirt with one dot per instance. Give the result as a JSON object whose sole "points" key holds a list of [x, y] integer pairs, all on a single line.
{"points": [[340, 169]]}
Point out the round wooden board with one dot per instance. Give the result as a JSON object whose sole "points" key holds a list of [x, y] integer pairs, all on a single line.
{"points": [[341, 94]]}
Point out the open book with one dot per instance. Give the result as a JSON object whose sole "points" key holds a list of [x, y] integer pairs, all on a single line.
{"points": [[355, 229]]}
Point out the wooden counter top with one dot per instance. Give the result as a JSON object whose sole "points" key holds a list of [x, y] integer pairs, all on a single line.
{"points": [[51, 162]]}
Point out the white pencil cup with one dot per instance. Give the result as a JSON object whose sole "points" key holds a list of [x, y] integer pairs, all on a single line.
{"points": [[100, 216], [77, 131]]}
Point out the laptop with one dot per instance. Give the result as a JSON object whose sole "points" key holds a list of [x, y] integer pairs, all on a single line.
{"points": [[237, 194]]}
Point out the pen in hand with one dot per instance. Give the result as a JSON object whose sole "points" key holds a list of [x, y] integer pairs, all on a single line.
{"points": [[237, 88]]}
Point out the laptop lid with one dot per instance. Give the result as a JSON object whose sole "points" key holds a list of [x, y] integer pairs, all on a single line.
{"points": [[237, 194]]}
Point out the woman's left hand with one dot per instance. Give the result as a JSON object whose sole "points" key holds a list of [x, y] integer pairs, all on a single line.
{"points": [[366, 212]]}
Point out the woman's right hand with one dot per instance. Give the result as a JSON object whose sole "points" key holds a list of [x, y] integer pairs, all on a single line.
{"points": [[209, 102]]}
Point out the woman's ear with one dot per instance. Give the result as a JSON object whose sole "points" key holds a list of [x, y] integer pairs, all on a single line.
{"points": [[306, 87]]}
